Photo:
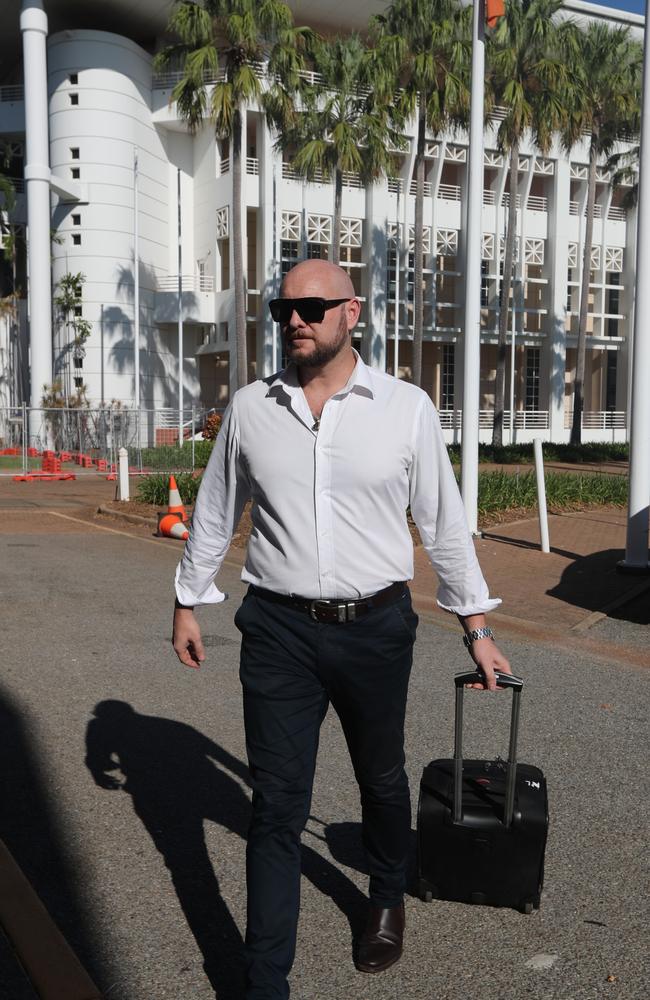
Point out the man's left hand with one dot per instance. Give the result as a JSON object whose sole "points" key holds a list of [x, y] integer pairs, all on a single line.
{"points": [[488, 658]]}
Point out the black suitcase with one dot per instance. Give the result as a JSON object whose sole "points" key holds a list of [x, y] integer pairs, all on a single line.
{"points": [[482, 824]]}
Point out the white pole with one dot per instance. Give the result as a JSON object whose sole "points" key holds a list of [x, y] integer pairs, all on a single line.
{"points": [[397, 292], [136, 291], [33, 25], [636, 548], [180, 314], [512, 365], [541, 495], [123, 466], [472, 332]]}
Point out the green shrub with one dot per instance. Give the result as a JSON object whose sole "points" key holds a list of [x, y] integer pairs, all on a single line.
{"points": [[514, 454], [171, 457], [155, 489]]}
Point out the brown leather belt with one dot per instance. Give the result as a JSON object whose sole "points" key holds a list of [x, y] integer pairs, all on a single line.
{"points": [[334, 612]]}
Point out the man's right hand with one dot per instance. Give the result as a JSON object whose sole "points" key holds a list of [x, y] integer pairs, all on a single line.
{"points": [[186, 638]]}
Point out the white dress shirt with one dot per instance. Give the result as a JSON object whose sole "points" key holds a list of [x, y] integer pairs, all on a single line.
{"points": [[329, 505]]}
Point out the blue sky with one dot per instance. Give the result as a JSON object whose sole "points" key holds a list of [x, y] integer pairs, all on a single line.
{"points": [[635, 6]]}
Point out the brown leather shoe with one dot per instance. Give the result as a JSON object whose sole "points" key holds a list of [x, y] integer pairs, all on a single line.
{"points": [[380, 945]]}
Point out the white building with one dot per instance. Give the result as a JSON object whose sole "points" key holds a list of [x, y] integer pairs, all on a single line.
{"points": [[97, 103]]}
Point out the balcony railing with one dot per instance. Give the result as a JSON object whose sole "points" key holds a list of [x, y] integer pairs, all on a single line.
{"points": [[252, 165], [524, 419], [449, 192], [189, 283], [599, 420], [224, 165]]}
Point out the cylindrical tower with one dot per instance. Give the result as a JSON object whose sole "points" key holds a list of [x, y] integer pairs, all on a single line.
{"points": [[100, 111]]}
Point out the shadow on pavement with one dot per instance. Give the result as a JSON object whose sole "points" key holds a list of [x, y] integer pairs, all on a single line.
{"points": [[169, 770], [35, 836], [593, 582]]}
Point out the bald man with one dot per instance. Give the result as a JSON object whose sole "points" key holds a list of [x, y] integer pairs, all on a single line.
{"points": [[331, 454]]}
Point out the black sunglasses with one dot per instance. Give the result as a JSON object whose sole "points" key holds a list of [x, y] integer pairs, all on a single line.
{"points": [[311, 309]]}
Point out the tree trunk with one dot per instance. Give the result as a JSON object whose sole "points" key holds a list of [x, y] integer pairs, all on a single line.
{"points": [[238, 257], [579, 384], [418, 244], [506, 285], [336, 230]]}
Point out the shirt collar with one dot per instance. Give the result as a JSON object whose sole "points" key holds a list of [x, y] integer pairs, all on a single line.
{"points": [[360, 380]]}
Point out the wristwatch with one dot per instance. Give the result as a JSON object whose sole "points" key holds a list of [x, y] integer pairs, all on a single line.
{"points": [[183, 607], [478, 633]]}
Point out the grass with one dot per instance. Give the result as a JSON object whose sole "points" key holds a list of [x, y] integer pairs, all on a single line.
{"points": [[501, 492]]}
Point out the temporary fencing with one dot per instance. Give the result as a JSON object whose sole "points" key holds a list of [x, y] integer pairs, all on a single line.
{"points": [[87, 440]]}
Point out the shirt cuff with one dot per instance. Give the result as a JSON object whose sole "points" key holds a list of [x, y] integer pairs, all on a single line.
{"points": [[186, 595], [464, 610]]}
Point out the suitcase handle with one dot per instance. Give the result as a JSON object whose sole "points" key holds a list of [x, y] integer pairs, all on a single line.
{"points": [[503, 680]]}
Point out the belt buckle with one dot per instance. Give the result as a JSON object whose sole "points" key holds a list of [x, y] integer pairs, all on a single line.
{"points": [[313, 610], [346, 611]]}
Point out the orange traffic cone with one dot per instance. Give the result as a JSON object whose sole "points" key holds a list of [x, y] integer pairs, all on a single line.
{"points": [[175, 503], [170, 526]]}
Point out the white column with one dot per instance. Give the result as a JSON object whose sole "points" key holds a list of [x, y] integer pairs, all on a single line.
{"points": [[33, 25], [472, 330], [268, 261], [636, 548]]}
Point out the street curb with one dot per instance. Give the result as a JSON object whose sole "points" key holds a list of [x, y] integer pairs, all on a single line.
{"points": [[132, 518], [51, 965]]}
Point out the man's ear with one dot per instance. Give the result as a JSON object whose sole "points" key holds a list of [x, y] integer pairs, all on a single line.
{"points": [[352, 311]]}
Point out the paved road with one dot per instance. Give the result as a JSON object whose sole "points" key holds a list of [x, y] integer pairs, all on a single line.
{"points": [[85, 616]]}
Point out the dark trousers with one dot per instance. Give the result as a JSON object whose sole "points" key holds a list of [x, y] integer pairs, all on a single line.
{"points": [[292, 667]]}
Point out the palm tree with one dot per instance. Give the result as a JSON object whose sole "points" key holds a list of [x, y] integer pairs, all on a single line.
{"points": [[525, 78], [604, 95], [229, 49], [425, 44], [341, 126]]}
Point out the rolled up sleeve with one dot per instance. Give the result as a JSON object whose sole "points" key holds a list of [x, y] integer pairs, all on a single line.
{"points": [[219, 504], [438, 512]]}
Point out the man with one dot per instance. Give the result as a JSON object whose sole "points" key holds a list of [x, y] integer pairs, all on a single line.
{"points": [[331, 453]]}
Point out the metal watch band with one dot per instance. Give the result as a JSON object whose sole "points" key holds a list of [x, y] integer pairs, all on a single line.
{"points": [[478, 633]]}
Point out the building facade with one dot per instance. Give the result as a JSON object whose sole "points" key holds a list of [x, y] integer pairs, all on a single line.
{"points": [[133, 194]]}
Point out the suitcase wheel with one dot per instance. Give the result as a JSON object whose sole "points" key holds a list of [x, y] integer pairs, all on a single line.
{"points": [[527, 907]]}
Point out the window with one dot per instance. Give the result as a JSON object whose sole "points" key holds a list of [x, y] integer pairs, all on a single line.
{"points": [[610, 385], [73, 78], [74, 99], [485, 283], [75, 173], [447, 379], [76, 220], [317, 251], [74, 152], [224, 253], [289, 255], [532, 378], [76, 239], [78, 310]]}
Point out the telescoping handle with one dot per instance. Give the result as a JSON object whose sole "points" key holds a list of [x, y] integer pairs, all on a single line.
{"points": [[503, 680]]}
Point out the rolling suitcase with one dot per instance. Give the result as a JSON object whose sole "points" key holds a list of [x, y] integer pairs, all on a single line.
{"points": [[482, 824]]}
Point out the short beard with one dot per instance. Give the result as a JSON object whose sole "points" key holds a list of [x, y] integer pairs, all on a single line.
{"points": [[323, 352]]}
